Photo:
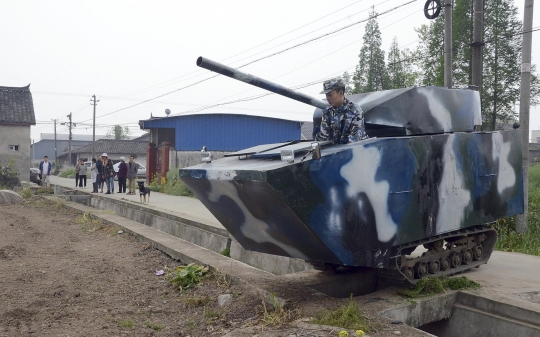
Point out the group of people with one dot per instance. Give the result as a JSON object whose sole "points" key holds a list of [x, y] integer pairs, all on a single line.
{"points": [[102, 173]]}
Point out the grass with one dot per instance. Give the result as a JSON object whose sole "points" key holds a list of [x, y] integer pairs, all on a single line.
{"points": [[69, 172], [528, 242], [26, 193], [172, 185], [44, 190], [349, 316], [276, 314], [226, 252], [430, 286], [155, 326], [88, 223], [126, 324]]}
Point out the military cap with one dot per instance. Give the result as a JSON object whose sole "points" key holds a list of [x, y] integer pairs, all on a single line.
{"points": [[331, 84]]}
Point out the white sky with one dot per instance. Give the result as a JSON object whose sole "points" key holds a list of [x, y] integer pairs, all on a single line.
{"points": [[125, 52]]}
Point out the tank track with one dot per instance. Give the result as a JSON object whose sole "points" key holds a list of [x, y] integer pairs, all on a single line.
{"points": [[447, 254]]}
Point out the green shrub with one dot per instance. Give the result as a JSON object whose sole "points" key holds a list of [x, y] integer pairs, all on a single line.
{"points": [[186, 277], [172, 185], [68, 172], [9, 175], [26, 193], [528, 242]]}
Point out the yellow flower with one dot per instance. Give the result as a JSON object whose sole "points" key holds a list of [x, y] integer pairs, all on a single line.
{"points": [[360, 333], [343, 333]]}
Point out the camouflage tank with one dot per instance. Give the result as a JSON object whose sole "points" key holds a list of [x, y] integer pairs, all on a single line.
{"points": [[424, 176]]}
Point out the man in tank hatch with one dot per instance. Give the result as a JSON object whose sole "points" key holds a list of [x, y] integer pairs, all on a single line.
{"points": [[342, 120]]}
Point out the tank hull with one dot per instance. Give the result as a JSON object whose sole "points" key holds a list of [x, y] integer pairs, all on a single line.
{"points": [[361, 199]]}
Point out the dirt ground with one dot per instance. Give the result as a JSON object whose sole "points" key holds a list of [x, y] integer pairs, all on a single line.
{"points": [[64, 275]]}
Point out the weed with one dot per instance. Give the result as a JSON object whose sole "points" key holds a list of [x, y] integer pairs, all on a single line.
{"points": [[223, 280], [186, 277], [172, 185], [210, 313], [126, 324], [155, 326], [88, 223], [528, 242], [69, 172], [26, 193], [60, 203], [198, 301], [191, 323], [432, 285], [349, 317], [226, 252], [278, 314], [44, 190], [461, 282]]}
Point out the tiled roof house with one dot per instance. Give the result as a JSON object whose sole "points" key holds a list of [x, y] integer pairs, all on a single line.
{"points": [[16, 117], [114, 149]]}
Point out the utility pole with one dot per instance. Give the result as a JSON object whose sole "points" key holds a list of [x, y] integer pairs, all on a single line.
{"points": [[448, 43], [478, 44], [94, 126], [55, 149], [524, 106], [70, 125]]}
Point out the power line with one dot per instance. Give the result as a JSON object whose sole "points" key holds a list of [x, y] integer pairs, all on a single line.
{"points": [[245, 51], [264, 57]]}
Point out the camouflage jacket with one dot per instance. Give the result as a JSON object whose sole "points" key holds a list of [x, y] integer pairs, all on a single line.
{"points": [[343, 125]]}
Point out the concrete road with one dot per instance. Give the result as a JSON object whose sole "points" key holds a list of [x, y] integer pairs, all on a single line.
{"points": [[185, 207]]}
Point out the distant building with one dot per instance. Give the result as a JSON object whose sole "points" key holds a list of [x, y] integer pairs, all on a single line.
{"points": [[114, 149], [535, 136], [16, 117], [220, 133], [45, 147]]}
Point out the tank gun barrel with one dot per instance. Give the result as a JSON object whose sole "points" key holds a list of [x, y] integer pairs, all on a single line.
{"points": [[259, 82]]}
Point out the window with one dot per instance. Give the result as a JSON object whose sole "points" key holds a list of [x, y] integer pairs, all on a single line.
{"points": [[14, 148]]}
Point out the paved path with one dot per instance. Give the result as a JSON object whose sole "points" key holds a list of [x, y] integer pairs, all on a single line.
{"points": [[185, 207]]}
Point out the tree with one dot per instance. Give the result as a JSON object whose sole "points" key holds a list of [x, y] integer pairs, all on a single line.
{"points": [[430, 52], [501, 57], [370, 74], [400, 70], [118, 132]]}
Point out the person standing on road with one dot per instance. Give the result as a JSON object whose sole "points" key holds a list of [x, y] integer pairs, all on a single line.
{"points": [[45, 171], [94, 174], [82, 173], [99, 180], [108, 173], [132, 175], [122, 174], [77, 172]]}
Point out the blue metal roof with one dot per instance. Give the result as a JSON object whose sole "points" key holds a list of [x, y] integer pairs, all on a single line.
{"points": [[225, 132]]}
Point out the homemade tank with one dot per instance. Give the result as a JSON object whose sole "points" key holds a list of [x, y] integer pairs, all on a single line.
{"points": [[424, 177]]}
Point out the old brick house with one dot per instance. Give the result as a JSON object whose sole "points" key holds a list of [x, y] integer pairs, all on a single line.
{"points": [[16, 117]]}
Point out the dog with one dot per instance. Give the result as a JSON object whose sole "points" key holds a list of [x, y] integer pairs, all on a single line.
{"points": [[143, 191]]}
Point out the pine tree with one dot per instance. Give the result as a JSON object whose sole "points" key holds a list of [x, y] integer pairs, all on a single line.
{"points": [[430, 52], [400, 70], [370, 74], [502, 69]]}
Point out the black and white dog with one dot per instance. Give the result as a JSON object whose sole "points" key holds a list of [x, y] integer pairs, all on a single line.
{"points": [[143, 191]]}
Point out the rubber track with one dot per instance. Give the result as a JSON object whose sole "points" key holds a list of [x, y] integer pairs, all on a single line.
{"points": [[394, 275]]}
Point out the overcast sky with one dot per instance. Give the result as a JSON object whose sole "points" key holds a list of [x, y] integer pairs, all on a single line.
{"points": [[126, 52]]}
